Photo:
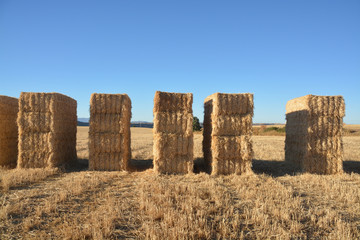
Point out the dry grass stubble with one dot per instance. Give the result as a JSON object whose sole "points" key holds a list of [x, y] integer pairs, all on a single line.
{"points": [[108, 205]]}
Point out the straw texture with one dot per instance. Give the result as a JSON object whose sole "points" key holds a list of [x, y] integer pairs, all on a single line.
{"points": [[227, 144], [173, 132], [9, 108], [109, 132], [47, 124], [314, 133]]}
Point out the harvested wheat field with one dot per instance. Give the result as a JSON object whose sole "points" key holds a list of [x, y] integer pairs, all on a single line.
{"points": [[272, 203]]}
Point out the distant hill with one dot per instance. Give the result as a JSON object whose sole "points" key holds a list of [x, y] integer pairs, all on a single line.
{"points": [[82, 123], [85, 120], [144, 124]]}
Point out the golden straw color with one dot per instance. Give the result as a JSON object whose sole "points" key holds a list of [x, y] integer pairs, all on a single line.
{"points": [[173, 133], [314, 126], [109, 132], [47, 124], [227, 144], [9, 108]]}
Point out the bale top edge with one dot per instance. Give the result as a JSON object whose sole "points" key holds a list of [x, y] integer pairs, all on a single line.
{"points": [[302, 103], [46, 94], [214, 95], [175, 93], [8, 97], [110, 94]]}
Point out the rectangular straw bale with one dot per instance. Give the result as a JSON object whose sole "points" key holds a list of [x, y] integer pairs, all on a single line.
{"points": [[173, 102], [7, 126], [110, 103], [232, 104], [106, 142], [109, 132], [111, 161], [232, 125], [47, 124], [227, 144], [173, 132], [173, 153], [112, 123], [173, 122], [9, 108], [231, 154], [314, 126]]}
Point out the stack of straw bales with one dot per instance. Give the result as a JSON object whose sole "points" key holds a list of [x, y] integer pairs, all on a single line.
{"points": [[9, 108], [47, 130], [227, 144], [173, 132], [109, 133], [314, 133]]}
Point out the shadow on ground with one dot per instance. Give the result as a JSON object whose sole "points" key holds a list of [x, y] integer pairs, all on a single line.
{"points": [[140, 165], [273, 168], [137, 165], [200, 166], [82, 164], [351, 166]]}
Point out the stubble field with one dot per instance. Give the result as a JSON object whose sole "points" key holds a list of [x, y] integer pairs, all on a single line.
{"points": [[272, 203]]}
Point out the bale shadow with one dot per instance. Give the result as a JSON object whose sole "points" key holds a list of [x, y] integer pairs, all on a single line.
{"points": [[273, 168], [135, 165], [351, 166], [200, 166], [81, 164], [140, 165]]}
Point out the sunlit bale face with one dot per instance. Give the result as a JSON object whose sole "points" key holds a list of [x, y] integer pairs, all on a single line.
{"points": [[109, 132], [173, 132], [227, 133], [47, 124]]}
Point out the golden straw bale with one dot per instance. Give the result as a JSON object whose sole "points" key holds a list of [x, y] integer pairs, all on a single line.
{"points": [[173, 132], [314, 126], [231, 154], [173, 102], [9, 108], [227, 144], [231, 104], [109, 132], [112, 161], [173, 122], [47, 124], [173, 153], [110, 103], [7, 126]]}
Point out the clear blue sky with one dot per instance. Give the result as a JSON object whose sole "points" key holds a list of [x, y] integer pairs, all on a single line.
{"points": [[277, 50]]}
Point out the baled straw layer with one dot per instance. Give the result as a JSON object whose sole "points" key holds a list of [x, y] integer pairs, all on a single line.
{"points": [[47, 124], [173, 133], [9, 108], [227, 133], [314, 133], [109, 132]]}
